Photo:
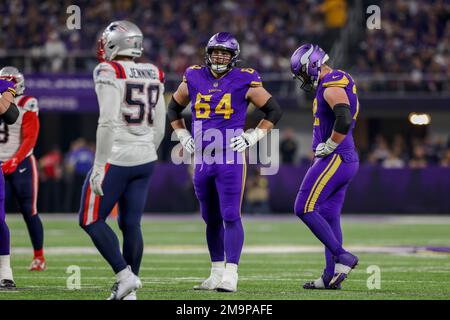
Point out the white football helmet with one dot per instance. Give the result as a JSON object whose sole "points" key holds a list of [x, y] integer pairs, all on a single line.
{"points": [[12, 74], [122, 38]]}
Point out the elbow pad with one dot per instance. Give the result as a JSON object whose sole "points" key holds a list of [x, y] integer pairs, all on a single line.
{"points": [[272, 110], [343, 118], [174, 110], [11, 115]]}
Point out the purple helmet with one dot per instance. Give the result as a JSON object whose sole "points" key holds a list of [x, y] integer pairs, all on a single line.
{"points": [[225, 41], [305, 65]]}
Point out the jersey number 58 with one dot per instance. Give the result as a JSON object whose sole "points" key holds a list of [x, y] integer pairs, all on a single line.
{"points": [[145, 105]]}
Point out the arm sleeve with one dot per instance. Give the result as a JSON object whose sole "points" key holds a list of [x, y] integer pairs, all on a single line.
{"points": [[343, 118], [159, 124], [11, 115], [108, 96], [30, 132]]}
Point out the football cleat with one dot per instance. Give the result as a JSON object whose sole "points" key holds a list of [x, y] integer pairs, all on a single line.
{"points": [[344, 265], [211, 283], [125, 286], [38, 264], [229, 282], [322, 283], [7, 284], [131, 296]]}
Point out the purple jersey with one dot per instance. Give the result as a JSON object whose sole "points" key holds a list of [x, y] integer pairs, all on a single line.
{"points": [[219, 103], [324, 116]]}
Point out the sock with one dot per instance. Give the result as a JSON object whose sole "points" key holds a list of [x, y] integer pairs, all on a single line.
{"points": [[4, 238], [231, 268], [217, 268], [234, 241], [214, 239], [5, 267], [322, 230], [335, 225], [133, 247], [107, 244], [38, 253], [36, 231]]}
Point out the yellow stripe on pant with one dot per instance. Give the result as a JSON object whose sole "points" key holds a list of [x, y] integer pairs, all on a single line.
{"points": [[317, 181], [324, 182]]}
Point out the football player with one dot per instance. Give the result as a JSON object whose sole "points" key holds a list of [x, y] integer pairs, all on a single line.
{"points": [[130, 129], [8, 114], [220, 94], [322, 192], [19, 165]]}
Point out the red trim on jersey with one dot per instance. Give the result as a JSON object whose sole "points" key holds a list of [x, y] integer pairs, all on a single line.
{"points": [[23, 101], [161, 75], [29, 132], [120, 71], [35, 185], [86, 203], [96, 207]]}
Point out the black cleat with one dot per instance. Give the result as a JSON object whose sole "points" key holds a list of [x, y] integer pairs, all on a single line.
{"points": [[7, 284]]}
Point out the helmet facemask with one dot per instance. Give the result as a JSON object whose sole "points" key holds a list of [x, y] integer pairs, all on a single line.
{"points": [[220, 61]]}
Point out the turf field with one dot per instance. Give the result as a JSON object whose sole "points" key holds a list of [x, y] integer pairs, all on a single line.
{"points": [[280, 254]]}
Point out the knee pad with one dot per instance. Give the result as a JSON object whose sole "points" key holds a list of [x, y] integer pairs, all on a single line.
{"points": [[230, 214]]}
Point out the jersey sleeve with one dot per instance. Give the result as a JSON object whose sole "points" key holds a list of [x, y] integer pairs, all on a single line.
{"points": [[252, 77], [336, 79], [31, 105], [189, 73], [105, 73]]}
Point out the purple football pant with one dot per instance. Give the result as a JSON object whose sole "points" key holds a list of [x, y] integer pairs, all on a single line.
{"points": [[4, 231], [320, 200], [219, 189]]}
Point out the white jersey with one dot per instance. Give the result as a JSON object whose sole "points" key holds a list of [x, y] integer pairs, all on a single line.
{"points": [[131, 102], [11, 134]]}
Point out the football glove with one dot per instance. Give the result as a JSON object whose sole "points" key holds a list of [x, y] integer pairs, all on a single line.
{"points": [[186, 140], [10, 166], [246, 140], [324, 149], [96, 179]]}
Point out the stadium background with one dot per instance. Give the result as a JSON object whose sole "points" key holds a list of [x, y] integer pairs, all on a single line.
{"points": [[401, 69]]}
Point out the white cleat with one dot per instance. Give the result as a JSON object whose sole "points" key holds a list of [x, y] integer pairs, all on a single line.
{"points": [[210, 284], [131, 296], [126, 284], [215, 277], [229, 282]]}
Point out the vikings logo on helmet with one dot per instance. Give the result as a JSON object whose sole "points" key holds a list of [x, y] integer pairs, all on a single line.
{"points": [[224, 41], [305, 65]]}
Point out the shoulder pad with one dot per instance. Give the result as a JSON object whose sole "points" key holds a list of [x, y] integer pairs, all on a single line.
{"points": [[337, 78], [28, 103], [252, 77]]}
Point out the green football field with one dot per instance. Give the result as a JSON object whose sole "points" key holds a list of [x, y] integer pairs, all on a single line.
{"points": [[280, 254]]}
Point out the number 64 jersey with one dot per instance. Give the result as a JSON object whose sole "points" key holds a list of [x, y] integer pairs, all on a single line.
{"points": [[130, 97]]}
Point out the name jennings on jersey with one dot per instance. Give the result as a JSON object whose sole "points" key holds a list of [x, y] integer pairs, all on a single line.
{"points": [[131, 102]]}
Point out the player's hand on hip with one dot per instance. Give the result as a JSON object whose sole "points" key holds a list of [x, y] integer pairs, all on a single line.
{"points": [[325, 148], [10, 165], [96, 179], [186, 140]]}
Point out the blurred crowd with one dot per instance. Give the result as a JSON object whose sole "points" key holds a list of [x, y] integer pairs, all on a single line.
{"points": [[414, 40], [175, 31]]}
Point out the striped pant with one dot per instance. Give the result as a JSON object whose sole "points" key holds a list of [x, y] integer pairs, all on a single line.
{"points": [[324, 186]]}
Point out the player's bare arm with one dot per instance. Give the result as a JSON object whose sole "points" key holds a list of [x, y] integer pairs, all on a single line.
{"points": [[264, 101], [179, 101], [338, 101]]}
